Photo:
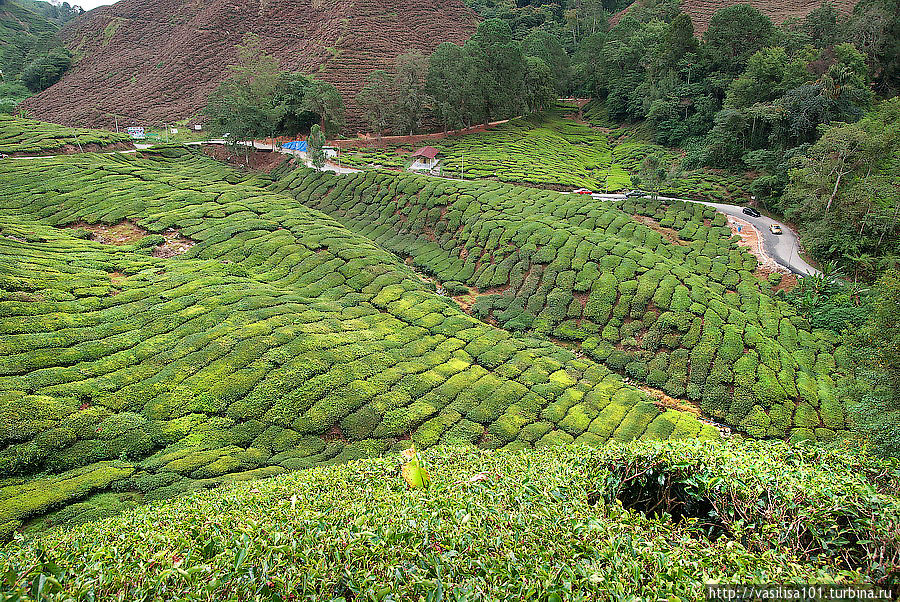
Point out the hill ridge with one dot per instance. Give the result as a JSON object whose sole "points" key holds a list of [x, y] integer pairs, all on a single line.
{"points": [[163, 70]]}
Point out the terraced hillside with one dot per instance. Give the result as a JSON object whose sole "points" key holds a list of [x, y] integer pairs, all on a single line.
{"points": [[665, 297], [238, 333], [29, 137], [701, 11], [157, 60], [553, 150]]}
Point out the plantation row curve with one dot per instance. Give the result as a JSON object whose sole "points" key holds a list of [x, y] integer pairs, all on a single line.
{"points": [[280, 340], [686, 315]]}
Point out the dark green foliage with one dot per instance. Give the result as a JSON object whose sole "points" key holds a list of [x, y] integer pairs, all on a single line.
{"points": [[46, 70], [876, 370], [280, 340], [734, 513], [259, 100], [842, 193], [27, 30]]}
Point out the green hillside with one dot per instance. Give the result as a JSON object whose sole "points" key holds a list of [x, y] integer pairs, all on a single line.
{"points": [[280, 340], [552, 149], [30, 137], [553, 524], [673, 303], [22, 31]]}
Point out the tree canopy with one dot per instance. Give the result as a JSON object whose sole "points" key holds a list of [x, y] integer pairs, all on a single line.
{"points": [[260, 100]]}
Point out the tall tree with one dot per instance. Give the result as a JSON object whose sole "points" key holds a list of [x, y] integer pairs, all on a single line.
{"points": [[653, 174], [539, 91], [501, 69], [445, 83], [291, 89], [324, 100], [822, 26], [315, 145], [843, 190], [545, 46], [734, 34], [245, 104], [409, 90], [376, 99]]}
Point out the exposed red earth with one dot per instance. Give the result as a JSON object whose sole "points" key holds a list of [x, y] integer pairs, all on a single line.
{"points": [[156, 61]]}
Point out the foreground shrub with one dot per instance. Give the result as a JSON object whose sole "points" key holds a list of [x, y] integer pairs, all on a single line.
{"points": [[560, 523]]}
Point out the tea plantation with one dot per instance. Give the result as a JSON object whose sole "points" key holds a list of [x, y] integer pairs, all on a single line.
{"points": [[553, 150], [568, 523], [673, 304], [30, 137], [279, 340]]}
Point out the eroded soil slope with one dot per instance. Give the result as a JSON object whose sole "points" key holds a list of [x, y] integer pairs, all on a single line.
{"points": [[158, 60]]}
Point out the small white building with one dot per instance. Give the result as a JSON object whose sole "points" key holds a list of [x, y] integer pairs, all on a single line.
{"points": [[424, 159]]}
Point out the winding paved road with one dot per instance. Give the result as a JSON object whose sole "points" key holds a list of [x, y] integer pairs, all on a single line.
{"points": [[783, 248]]}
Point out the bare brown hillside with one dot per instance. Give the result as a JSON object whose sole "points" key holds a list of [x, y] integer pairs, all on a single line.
{"points": [[152, 61], [701, 11]]}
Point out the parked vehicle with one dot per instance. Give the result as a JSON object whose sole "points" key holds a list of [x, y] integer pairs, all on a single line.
{"points": [[775, 229], [584, 191], [751, 212], [635, 193]]}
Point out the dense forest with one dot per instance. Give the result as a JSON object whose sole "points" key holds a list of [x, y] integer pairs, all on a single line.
{"points": [[799, 107]]}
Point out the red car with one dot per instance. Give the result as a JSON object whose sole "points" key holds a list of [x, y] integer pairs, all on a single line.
{"points": [[583, 191]]}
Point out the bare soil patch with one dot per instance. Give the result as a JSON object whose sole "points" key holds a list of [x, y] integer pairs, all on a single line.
{"points": [[667, 402], [254, 159], [175, 244], [127, 232], [668, 233], [749, 239], [335, 433]]}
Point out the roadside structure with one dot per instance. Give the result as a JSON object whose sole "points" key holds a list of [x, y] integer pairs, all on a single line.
{"points": [[424, 159]]}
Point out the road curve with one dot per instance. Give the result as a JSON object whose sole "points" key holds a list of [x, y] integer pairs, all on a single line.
{"points": [[783, 248]]}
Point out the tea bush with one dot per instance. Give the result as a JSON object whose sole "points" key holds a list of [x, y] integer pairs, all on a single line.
{"points": [[649, 520], [27, 136], [553, 150], [608, 276], [280, 340]]}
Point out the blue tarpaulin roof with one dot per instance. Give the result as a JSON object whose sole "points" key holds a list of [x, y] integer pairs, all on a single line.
{"points": [[298, 145]]}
